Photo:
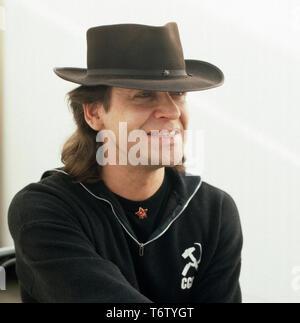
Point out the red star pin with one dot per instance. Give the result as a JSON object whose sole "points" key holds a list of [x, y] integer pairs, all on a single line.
{"points": [[142, 213]]}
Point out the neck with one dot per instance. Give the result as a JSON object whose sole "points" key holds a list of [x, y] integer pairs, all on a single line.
{"points": [[133, 183]]}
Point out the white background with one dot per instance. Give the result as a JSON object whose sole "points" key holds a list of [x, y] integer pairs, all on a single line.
{"points": [[251, 123]]}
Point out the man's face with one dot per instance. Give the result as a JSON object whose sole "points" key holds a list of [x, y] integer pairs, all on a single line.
{"points": [[149, 111]]}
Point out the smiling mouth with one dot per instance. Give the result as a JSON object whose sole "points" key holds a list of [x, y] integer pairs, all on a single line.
{"points": [[163, 133]]}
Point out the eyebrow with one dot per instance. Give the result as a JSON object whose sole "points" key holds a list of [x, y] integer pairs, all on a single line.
{"points": [[131, 91]]}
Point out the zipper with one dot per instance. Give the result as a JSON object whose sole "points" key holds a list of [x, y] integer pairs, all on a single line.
{"points": [[141, 245], [185, 205], [141, 249]]}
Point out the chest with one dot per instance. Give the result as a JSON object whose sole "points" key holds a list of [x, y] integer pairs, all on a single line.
{"points": [[170, 263]]}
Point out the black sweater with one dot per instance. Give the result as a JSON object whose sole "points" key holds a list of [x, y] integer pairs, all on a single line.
{"points": [[74, 243]]}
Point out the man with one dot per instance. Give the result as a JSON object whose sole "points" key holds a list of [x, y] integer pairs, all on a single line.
{"points": [[124, 231]]}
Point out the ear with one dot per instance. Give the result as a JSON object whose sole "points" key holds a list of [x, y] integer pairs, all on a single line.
{"points": [[93, 115]]}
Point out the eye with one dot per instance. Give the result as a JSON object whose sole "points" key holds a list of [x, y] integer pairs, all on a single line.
{"points": [[144, 95], [178, 93]]}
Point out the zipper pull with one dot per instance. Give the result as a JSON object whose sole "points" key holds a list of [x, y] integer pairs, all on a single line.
{"points": [[141, 253]]}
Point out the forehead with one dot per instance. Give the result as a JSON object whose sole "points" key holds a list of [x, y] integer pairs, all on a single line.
{"points": [[123, 91]]}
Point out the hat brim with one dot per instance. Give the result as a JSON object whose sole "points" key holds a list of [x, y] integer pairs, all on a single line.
{"points": [[201, 76]]}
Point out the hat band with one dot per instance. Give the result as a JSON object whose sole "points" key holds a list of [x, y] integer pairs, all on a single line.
{"points": [[129, 72]]}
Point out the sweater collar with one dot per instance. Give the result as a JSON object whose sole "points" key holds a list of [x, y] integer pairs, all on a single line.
{"points": [[184, 184]]}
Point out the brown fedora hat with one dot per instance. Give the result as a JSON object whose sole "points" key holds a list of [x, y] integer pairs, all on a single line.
{"points": [[141, 57]]}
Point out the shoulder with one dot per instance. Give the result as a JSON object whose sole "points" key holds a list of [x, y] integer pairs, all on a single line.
{"points": [[214, 193], [219, 206], [49, 200], [215, 197], [53, 187]]}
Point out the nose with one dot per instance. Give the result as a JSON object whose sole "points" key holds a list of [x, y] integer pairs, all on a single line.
{"points": [[167, 107]]}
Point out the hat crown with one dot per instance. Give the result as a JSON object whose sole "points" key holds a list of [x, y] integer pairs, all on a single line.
{"points": [[134, 46]]}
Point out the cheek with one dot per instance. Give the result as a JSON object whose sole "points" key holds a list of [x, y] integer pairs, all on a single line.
{"points": [[132, 122], [184, 118], [113, 120]]}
